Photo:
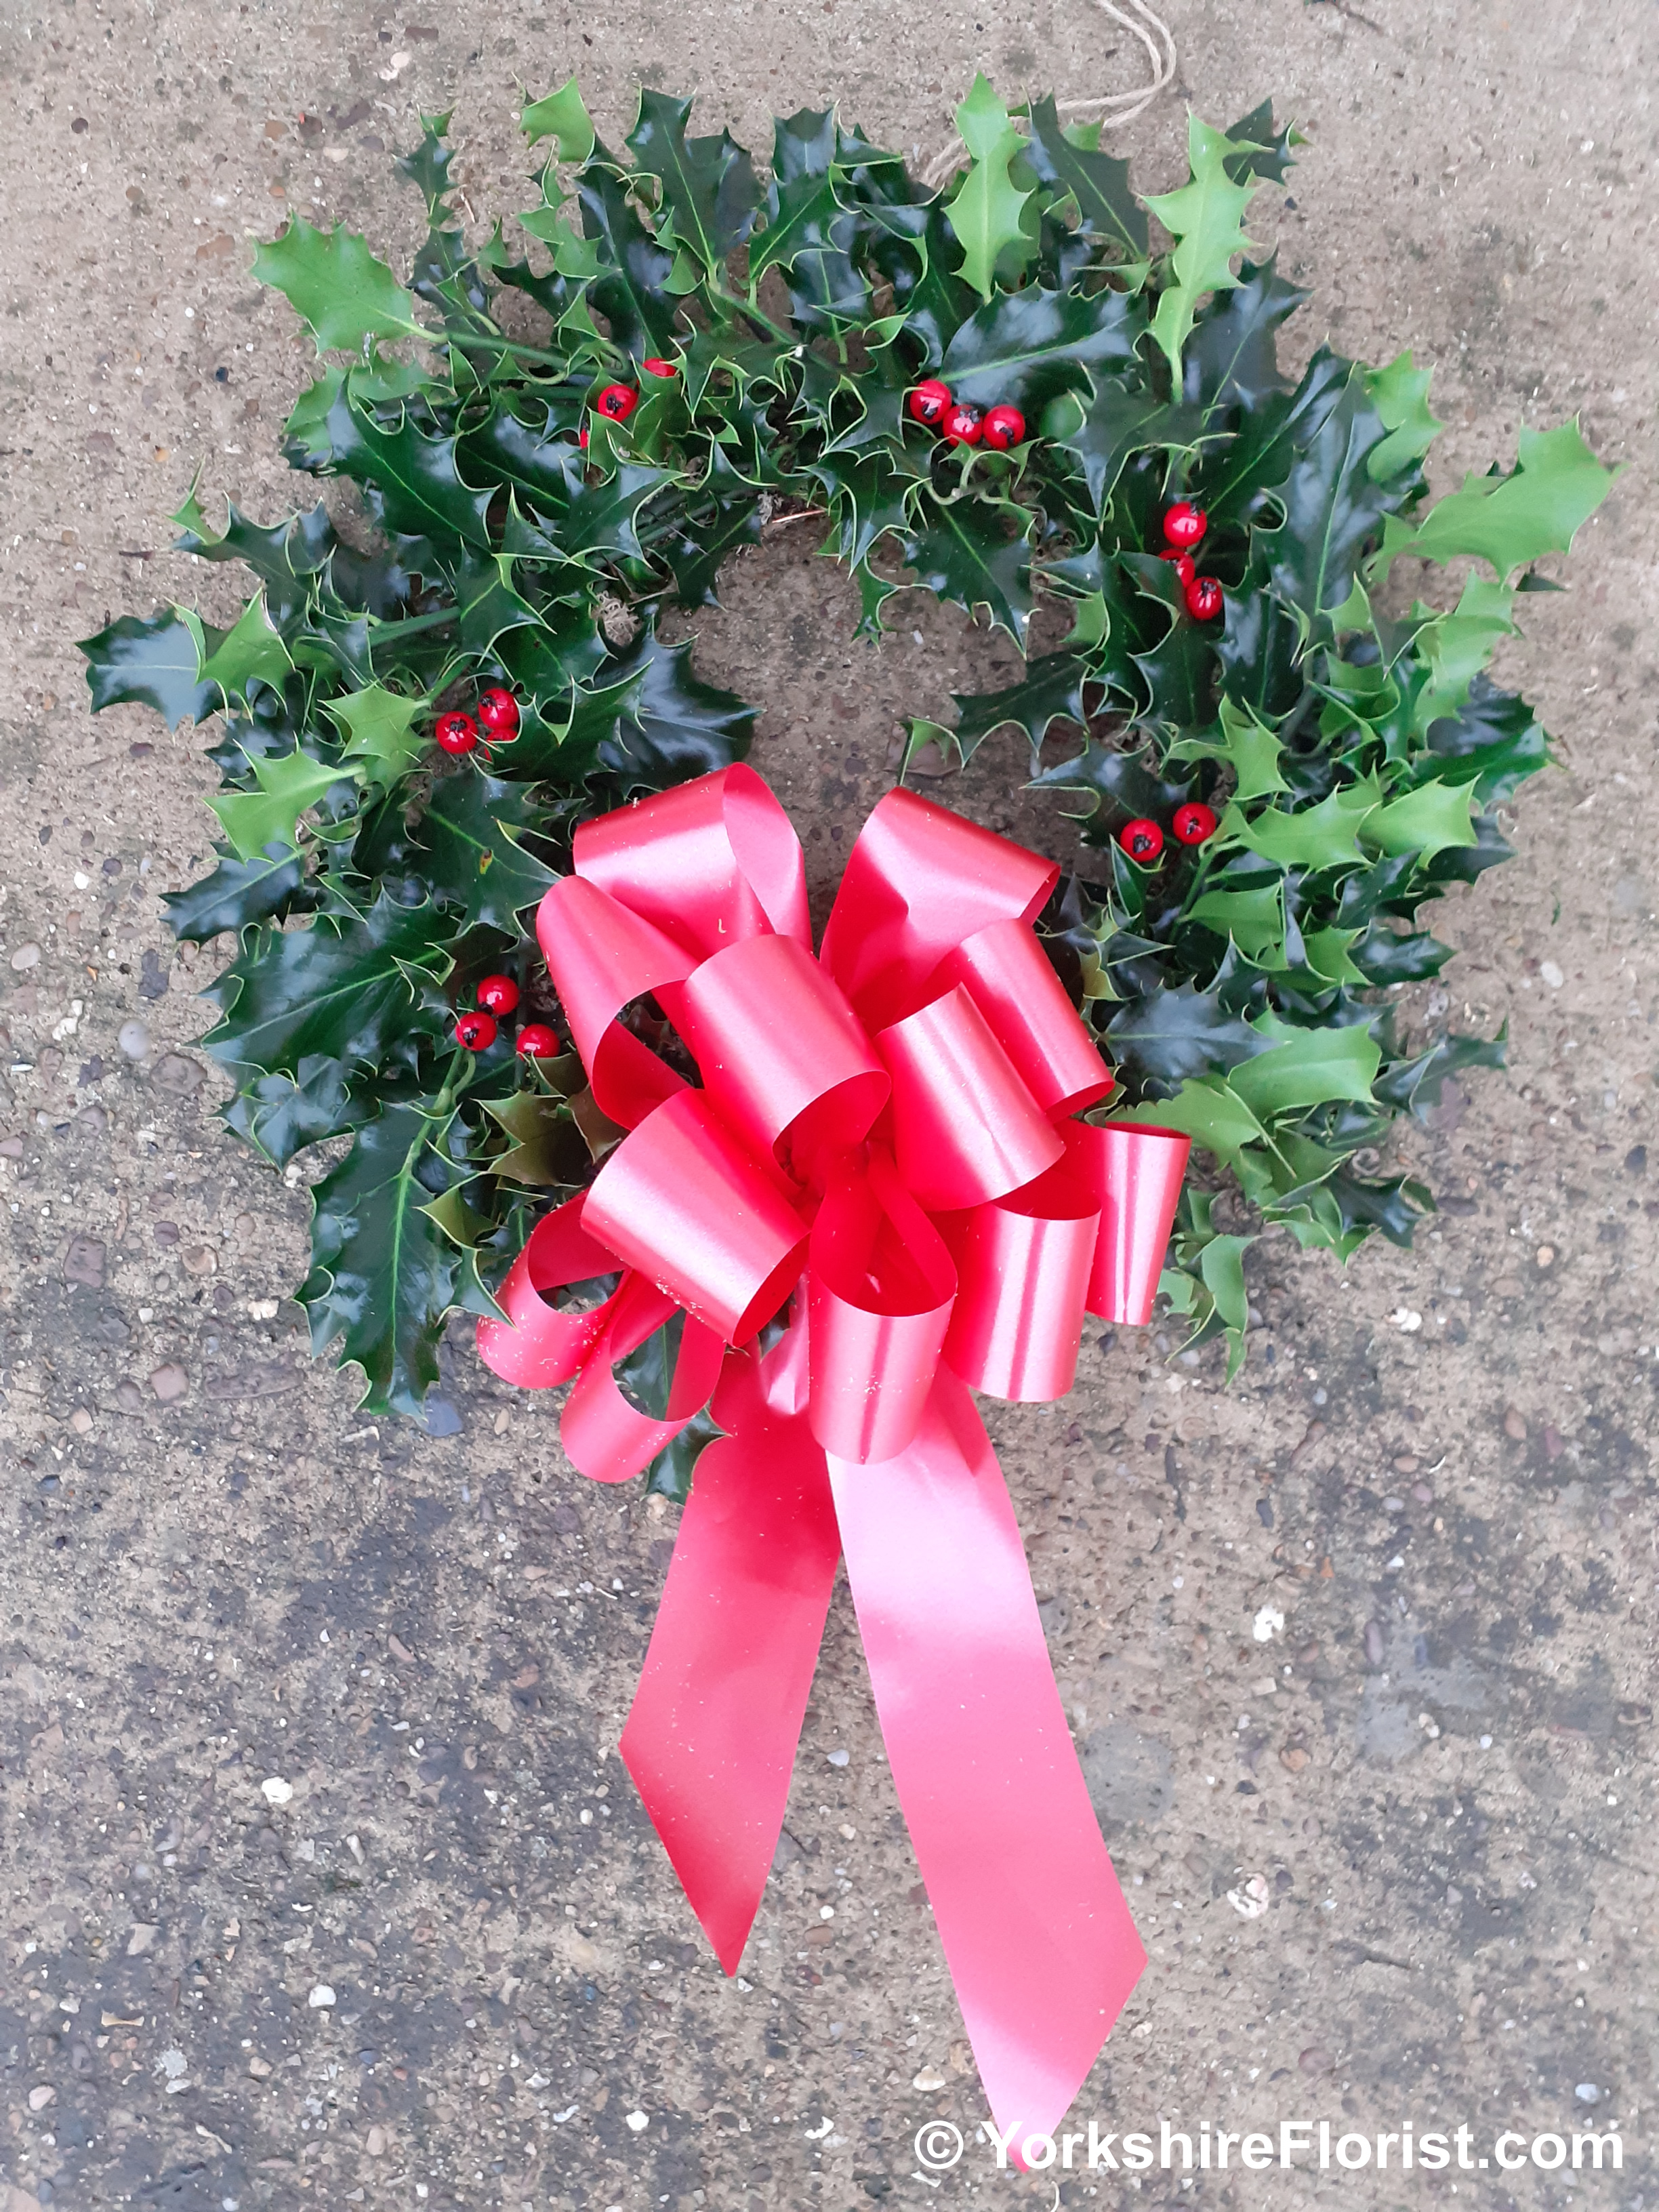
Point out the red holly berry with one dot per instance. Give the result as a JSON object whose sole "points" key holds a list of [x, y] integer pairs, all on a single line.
{"points": [[1184, 525], [456, 733], [537, 1042], [1142, 841], [1185, 566], [963, 425], [1205, 598], [498, 711], [619, 401], [1005, 426], [1195, 824], [476, 1031], [499, 994], [581, 437], [929, 401], [654, 365]]}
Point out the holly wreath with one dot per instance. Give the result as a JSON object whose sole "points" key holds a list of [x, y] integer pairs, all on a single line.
{"points": [[1007, 389]]}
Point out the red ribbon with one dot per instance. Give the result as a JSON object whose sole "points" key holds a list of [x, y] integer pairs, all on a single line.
{"points": [[884, 1141]]}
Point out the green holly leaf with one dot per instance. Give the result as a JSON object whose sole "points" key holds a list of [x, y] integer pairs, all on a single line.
{"points": [[1207, 1109], [1099, 185], [289, 557], [472, 829], [1120, 419], [380, 729], [808, 232], [709, 193], [1556, 485], [346, 988], [1204, 218], [1167, 1035], [673, 1471], [1126, 784], [1248, 747], [1333, 506], [385, 1276], [280, 1115], [1050, 691], [250, 652], [985, 212], [153, 661], [1178, 668], [238, 893], [547, 1151], [1028, 347], [674, 727], [1301, 1068], [1400, 394], [1494, 741], [335, 285], [964, 551], [1457, 646], [1426, 821], [490, 604], [1263, 149], [1323, 837], [409, 479], [870, 497], [1231, 357], [562, 117], [1413, 1086], [288, 783]]}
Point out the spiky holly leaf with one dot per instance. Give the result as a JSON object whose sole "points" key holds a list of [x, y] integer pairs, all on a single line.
{"points": [[1168, 1036], [346, 988], [986, 211], [238, 891], [708, 189], [335, 284], [562, 117], [1555, 487], [280, 1115], [1204, 220], [472, 829], [547, 1151], [1097, 184], [674, 727], [1426, 821], [1400, 394], [1050, 691], [1026, 347], [977, 553], [1494, 740], [380, 729], [1333, 506], [250, 652], [411, 479], [1123, 419], [385, 1276], [1231, 358], [288, 783], [153, 661]]}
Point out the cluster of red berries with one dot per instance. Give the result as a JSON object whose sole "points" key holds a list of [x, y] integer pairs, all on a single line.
{"points": [[1195, 824], [458, 732], [497, 995], [1184, 526], [618, 401], [960, 423]]}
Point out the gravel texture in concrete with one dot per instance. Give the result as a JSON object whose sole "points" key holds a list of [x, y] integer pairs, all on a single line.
{"points": [[319, 1879]]}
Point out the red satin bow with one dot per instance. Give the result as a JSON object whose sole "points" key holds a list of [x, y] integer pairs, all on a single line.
{"points": [[886, 1132]]}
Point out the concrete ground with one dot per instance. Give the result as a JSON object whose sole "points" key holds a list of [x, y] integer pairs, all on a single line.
{"points": [[1394, 1863]]}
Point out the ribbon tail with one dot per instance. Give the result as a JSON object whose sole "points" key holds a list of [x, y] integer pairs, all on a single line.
{"points": [[710, 1741], [1038, 1935]]}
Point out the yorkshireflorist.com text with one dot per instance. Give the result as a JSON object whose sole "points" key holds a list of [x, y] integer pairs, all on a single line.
{"points": [[1324, 2145]]}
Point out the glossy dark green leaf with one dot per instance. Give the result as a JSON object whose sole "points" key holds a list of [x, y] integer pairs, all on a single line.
{"points": [[1382, 957], [409, 479], [1494, 739], [1098, 184], [976, 553], [1332, 507], [1168, 1035], [473, 829], [1120, 419], [384, 1277], [1231, 356], [1026, 347], [237, 893], [342, 989], [709, 194], [1413, 1086], [677, 728], [152, 660], [673, 1471], [280, 1115], [1050, 690], [630, 291], [1264, 146]]}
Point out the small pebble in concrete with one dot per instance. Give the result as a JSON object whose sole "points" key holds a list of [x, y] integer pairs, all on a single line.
{"points": [[275, 1791], [26, 956], [133, 1039], [42, 2096], [321, 1998], [1515, 1426], [169, 1382]]}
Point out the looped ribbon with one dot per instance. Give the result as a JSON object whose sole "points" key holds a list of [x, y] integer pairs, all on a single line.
{"points": [[885, 1142]]}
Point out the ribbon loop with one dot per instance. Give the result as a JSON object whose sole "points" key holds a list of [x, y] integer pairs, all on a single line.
{"points": [[681, 1200], [706, 862], [1023, 1267], [881, 1287], [1134, 1172], [602, 957], [603, 1436], [783, 1056], [541, 1344], [1010, 979], [965, 1127]]}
